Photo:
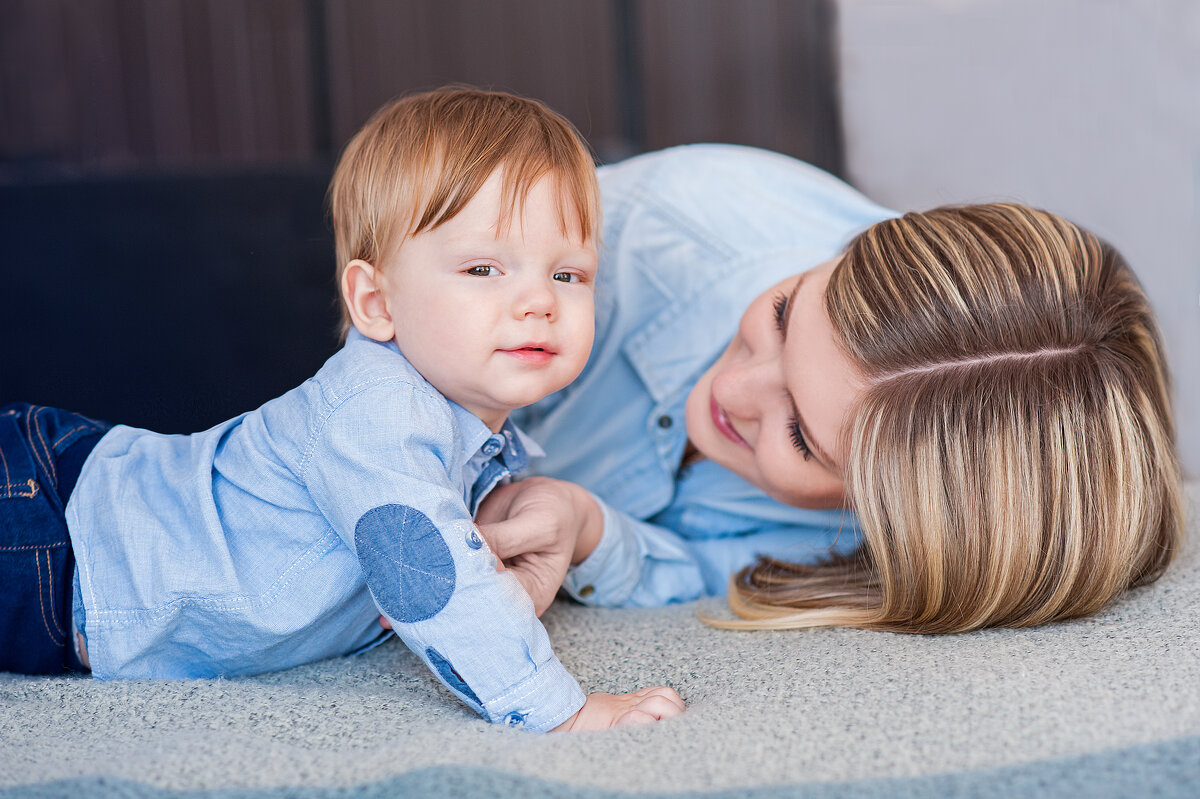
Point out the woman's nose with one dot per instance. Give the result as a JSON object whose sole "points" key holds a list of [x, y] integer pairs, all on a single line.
{"points": [[747, 383]]}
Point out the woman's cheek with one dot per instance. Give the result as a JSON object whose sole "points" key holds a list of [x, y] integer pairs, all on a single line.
{"points": [[800, 483]]}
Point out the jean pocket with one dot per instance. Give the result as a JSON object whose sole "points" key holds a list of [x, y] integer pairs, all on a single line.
{"points": [[18, 477], [35, 619], [28, 517]]}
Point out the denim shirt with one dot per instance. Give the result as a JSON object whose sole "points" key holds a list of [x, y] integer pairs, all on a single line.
{"points": [[691, 235], [278, 537]]}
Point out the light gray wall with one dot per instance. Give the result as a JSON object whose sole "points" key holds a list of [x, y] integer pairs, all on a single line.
{"points": [[1089, 108]]}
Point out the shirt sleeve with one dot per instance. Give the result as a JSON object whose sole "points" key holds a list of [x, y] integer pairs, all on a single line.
{"points": [[640, 564], [636, 564], [383, 472]]}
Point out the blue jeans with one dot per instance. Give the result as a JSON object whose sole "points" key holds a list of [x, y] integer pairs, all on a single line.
{"points": [[41, 453]]}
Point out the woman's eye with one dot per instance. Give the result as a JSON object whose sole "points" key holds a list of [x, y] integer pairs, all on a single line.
{"points": [[483, 270], [566, 277], [780, 305], [797, 437]]}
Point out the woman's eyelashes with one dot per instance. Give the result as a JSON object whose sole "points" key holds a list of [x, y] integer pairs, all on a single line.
{"points": [[780, 305], [797, 436]]}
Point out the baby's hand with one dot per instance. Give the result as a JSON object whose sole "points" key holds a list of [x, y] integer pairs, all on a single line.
{"points": [[601, 711]]}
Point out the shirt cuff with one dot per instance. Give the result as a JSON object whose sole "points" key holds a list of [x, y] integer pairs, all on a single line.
{"points": [[607, 577], [540, 703]]}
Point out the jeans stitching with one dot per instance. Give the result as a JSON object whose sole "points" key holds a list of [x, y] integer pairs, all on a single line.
{"points": [[9, 485], [7, 476], [30, 492], [50, 577], [67, 435], [41, 596], [23, 547], [30, 426]]}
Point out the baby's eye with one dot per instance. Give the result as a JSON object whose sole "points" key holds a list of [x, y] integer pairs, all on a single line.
{"points": [[483, 270], [566, 277]]}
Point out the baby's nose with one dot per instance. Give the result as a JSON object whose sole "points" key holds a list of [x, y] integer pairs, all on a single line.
{"points": [[535, 300]]}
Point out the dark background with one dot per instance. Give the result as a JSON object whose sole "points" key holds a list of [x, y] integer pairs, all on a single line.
{"points": [[166, 258]]}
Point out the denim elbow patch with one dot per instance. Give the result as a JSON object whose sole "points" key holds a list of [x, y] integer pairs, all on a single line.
{"points": [[408, 566]]}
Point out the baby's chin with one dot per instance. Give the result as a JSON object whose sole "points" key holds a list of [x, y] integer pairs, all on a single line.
{"points": [[517, 400]]}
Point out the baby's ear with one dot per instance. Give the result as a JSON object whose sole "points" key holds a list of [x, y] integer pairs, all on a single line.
{"points": [[362, 290]]}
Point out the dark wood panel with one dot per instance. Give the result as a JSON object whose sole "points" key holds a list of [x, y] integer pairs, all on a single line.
{"points": [[38, 101], [112, 83], [281, 82], [755, 72], [115, 85], [136, 109], [166, 67], [91, 59], [561, 53]]}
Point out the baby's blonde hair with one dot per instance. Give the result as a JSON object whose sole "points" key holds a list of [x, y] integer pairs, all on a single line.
{"points": [[420, 159], [1012, 461]]}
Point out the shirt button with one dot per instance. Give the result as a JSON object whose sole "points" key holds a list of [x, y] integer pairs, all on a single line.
{"points": [[473, 539], [492, 448], [587, 590], [664, 421], [514, 719]]}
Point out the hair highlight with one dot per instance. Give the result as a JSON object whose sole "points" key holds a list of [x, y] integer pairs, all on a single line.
{"points": [[1012, 460]]}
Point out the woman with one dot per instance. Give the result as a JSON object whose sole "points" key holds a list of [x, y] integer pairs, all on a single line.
{"points": [[984, 387]]}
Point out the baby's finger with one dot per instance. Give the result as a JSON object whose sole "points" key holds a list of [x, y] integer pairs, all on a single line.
{"points": [[635, 718], [665, 692], [659, 706]]}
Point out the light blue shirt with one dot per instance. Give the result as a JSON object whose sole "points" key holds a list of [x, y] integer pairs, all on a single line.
{"points": [[277, 538], [691, 235]]}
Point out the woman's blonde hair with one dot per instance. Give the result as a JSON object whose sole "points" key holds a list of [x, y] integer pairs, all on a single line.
{"points": [[1012, 460], [420, 159]]}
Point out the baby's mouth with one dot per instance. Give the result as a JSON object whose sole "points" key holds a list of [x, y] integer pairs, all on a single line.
{"points": [[531, 353]]}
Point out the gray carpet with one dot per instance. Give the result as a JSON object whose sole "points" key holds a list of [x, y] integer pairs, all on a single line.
{"points": [[1107, 706]]}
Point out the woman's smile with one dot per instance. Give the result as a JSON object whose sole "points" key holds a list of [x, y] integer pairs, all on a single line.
{"points": [[723, 425]]}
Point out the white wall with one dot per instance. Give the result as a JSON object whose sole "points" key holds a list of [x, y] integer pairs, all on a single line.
{"points": [[1089, 108]]}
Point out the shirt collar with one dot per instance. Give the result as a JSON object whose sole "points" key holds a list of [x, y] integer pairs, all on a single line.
{"points": [[512, 445], [519, 447], [664, 351]]}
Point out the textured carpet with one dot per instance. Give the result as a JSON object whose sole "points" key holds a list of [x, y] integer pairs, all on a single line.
{"points": [[1106, 706]]}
